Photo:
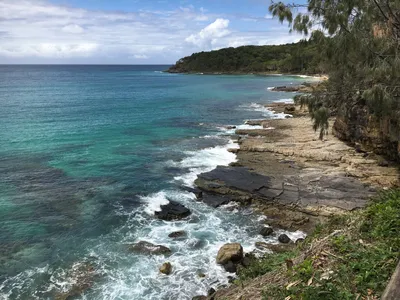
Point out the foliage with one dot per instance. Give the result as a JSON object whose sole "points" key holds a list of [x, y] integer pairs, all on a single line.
{"points": [[356, 262], [301, 57], [267, 264], [361, 54]]}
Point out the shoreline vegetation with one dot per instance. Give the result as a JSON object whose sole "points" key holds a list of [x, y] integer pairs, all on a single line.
{"points": [[338, 194], [296, 58]]}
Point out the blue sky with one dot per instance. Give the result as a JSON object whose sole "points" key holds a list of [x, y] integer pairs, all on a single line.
{"points": [[131, 31]]}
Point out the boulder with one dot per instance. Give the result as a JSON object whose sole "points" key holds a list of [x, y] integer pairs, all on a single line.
{"points": [[230, 267], [172, 211], [230, 252], [177, 234], [284, 239], [149, 248], [166, 268], [266, 231]]}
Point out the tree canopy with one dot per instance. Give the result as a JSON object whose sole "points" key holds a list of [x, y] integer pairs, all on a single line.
{"points": [[301, 57], [361, 54]]}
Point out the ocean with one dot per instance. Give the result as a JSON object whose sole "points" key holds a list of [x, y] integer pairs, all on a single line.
{"points": [[89, 153]]}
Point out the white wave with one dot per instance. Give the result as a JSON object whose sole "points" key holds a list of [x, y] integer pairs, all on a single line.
{"points": [[204, 160], [154, 202], [286, 101], [270, 88], [266, 112]]}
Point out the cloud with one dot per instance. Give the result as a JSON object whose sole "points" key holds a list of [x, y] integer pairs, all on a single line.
{"points": [[208, 36], [72, 28], [140, 56], [38, 31]]}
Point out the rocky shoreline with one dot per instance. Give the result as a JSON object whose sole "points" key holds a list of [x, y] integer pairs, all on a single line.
{"points": [[296, 180], [284, 172]]}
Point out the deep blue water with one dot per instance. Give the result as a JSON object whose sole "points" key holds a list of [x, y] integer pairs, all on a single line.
{"points": [[87, 153]]}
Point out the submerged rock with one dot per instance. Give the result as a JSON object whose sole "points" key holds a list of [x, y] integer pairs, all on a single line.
{"points": [[149, 248], [177, 234], [284, 239], [172, 211], [230, 252], [166, 268]]}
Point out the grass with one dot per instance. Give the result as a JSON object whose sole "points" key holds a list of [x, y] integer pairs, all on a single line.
{"points": [[350, 257]]}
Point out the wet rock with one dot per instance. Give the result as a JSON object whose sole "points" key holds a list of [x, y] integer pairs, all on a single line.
{"points": [[230, 127], [266, 231], [149, 248], [230, 267], [201, 275], [172, 211], [234, 150], [197, 192], [230, 252], [177, 234], [284, 239], [166, 268], [231, 279], [211, 292], [240, 180], [83, 275], [199, 298], [299, 241], [216, 200]]}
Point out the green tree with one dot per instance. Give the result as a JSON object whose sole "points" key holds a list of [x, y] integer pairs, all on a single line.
{"points": [[361, 54]]}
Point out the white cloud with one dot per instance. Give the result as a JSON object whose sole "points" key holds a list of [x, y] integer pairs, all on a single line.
{"points": [[72, 28], [38, 31], [140, 56], [208, 36]]}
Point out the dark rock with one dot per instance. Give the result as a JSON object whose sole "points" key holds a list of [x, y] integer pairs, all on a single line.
{"points": [[230, 267], [172, 211], [298, 241], [289, 109], [266, 231], [197, 192], [201, 275], [231, 279], [230, 127], [246, 262], [177, 234], [149, 248], [211, 292], [284, 239], [237, 178], [216, 200]]}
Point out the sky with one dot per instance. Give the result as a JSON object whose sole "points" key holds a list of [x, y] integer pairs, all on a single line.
{"points": [[131, 31]]}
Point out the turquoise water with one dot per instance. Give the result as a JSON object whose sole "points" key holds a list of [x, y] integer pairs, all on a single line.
{"points": [[88, 153]]}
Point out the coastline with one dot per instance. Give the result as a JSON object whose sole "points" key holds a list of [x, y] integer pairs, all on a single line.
{"points": [[310, 180], [320, 77]]}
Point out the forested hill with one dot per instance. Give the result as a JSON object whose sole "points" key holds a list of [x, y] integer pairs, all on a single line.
{"points": [[301, 57]]}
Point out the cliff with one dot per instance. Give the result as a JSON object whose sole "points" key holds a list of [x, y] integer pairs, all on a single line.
{"points": [[357, 125]]}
